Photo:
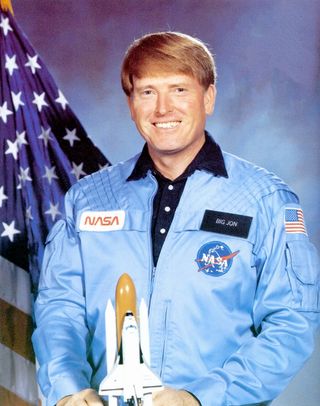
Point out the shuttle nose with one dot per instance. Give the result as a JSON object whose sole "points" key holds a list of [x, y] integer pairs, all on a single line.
{"points": [[126, 302]]}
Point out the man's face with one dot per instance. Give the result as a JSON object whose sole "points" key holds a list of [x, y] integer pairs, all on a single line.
{"points": [[170, 111]]}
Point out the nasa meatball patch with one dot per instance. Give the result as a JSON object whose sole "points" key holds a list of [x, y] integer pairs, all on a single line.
{"points": [[215, 258]]}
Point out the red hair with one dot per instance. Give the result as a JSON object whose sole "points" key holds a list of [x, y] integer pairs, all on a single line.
{"points": [[171, 52]]}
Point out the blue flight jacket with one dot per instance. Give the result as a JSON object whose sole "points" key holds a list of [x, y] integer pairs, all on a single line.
{"points": [[233, 301]]}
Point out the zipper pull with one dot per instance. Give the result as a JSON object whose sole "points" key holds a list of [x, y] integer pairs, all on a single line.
{"points": [[153, 273]]}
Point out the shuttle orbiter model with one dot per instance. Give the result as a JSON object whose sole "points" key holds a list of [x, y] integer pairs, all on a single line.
{"points": [[128, 350]]}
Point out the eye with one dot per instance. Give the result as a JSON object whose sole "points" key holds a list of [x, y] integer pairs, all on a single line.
{"points": [[146, 92], [180, 90]]}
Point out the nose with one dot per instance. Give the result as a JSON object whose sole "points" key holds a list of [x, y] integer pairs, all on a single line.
{"points": [[164, 104]]}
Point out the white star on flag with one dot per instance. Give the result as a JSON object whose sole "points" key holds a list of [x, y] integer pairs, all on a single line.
{"points": [[77, 170], [53, 211], [5, 25], [29, 214], [9, 230], [71, 136], [11, 64], [4, 112], [16, 99], [12, 149], [39, 100], [2, 195], [32, 63], [45, 135], [62, 100], [21, 138], [23, 176], [50, 174], [104, 166]]}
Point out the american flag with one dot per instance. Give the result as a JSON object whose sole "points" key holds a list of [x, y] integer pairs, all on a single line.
{"points": [[294, 222], [44, 150]]}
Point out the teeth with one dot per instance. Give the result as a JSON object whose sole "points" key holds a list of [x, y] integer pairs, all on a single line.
{"points": [[170, 124]]}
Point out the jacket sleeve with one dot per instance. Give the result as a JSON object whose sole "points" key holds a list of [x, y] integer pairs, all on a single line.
{"points": [[285, 316], [61, 336]]}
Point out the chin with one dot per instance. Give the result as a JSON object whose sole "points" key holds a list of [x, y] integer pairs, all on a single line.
{"points": [[168, 151]]}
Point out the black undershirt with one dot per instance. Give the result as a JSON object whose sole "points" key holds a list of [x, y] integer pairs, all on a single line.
{"points": [[169, 192]]}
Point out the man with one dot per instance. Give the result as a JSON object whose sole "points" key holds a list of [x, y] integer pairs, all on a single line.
{"points": [[216, 245]]}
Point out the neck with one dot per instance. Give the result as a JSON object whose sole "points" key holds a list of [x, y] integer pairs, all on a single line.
{"points": [[173, 165], [170, 169]]}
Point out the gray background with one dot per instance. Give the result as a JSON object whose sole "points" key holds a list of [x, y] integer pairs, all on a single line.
{"points": [[267, 110]]}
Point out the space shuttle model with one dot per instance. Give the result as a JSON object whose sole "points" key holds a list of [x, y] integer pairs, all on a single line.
{"points": [[128, 350]]}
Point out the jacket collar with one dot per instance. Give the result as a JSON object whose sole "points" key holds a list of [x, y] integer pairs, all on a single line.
{"points": [[209, 159]]}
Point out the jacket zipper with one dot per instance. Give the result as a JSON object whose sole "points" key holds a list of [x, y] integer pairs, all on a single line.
{"points": [[153, 268], [165, 329]]}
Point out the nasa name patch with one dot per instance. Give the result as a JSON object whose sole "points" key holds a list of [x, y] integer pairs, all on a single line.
{"points": [[220, 222], [102, 221]]}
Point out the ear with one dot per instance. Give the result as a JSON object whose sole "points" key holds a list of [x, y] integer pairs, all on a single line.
{"points": [[209, 99]]}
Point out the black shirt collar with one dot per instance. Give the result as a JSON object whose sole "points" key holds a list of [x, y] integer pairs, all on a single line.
{"points": [[209, 158]]}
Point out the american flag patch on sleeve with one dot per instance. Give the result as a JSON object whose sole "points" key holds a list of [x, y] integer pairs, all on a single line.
{"points": [[294, 222]]}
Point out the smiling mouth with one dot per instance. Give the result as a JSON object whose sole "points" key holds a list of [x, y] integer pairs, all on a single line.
{"points": [[167, 125]]}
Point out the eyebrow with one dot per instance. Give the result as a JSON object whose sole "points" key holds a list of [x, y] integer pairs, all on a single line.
{"points": [[150, 86]]}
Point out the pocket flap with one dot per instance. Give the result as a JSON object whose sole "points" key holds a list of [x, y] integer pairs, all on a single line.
{"points": [[304, 261]]}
